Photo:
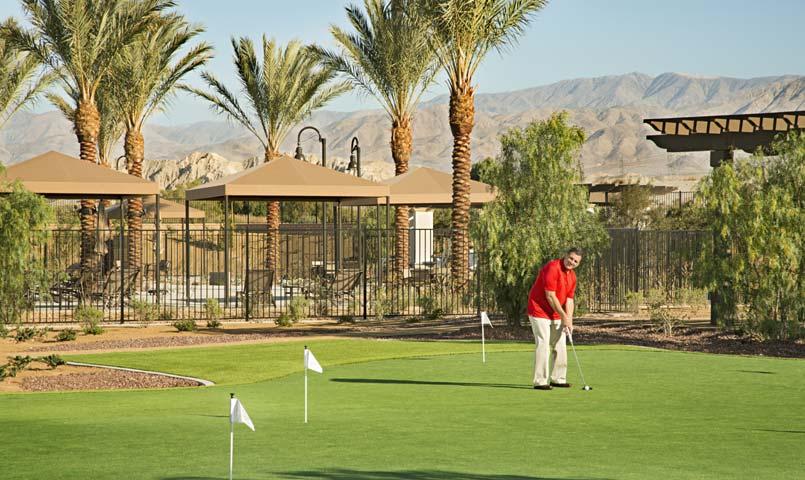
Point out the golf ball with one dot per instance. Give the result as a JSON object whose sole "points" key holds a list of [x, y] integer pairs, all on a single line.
{"points": [[587, 387]]}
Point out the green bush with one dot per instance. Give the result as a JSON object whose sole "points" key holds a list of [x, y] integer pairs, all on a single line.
{"points": [[66, 335], [90, 319], [144, 311], [297, 310], [213, 311], [284, 320], [167, 315], [23, 334], [692, 297], [213, 324], [52, 360], [382, 305], [430, 306], [185, 325], [3, 331], [18, 363], [633, 302]]}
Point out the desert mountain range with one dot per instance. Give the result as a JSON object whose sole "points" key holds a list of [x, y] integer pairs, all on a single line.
{"points": [[610, 109]]}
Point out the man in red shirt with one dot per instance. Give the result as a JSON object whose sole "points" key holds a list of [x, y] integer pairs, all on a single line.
{"points": [[550, 311]]}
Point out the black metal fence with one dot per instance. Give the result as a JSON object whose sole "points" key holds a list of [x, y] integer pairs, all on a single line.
{"points": [[640, 260], [340, 272]]}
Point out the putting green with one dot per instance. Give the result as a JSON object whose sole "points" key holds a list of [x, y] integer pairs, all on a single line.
{"points": [[422, 414]]}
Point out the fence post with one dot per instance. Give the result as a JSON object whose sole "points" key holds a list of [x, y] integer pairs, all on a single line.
{"points": [[246, 298]]}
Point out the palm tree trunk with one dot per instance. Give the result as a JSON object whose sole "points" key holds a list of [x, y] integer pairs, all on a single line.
{"points": [[401, 140], [87, 124], [134, 148], [273, 225], [462, 119]]}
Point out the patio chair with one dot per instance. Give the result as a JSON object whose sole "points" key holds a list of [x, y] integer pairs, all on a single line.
{"points": [[113, 288], [344, 284], [259, 286]]}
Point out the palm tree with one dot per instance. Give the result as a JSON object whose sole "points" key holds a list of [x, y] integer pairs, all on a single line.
{"points": [[389, 58], [21, 78], [462, 33], [143, 80], [80, 41], [281, 92]]}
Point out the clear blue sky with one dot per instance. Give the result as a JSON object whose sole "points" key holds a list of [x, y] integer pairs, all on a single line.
{"points": [[568, 39]]}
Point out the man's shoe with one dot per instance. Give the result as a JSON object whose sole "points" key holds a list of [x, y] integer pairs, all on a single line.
{"points": [[543, 387], [561, 385]]}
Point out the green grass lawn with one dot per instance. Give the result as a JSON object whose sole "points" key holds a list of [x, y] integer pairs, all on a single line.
{"points": [[420, 410]]}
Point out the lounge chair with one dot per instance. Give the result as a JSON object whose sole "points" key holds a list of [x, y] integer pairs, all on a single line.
{"points": [[259, 285]]}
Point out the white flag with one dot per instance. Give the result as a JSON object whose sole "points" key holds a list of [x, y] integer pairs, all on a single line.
{"points": [[311, 362], [485, 319], [237, 414]]}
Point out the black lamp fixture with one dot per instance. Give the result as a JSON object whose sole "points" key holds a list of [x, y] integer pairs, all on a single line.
{"points": [[355, 156], [300, 156]]}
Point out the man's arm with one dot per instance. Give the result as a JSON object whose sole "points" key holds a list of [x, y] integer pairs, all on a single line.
{"points": [[565, 316]]}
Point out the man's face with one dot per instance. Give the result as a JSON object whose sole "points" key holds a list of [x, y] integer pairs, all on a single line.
{"points": [[571, 261]]}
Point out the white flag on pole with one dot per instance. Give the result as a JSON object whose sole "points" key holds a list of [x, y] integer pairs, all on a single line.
{"points": [[311, 362], [237, 414], [485, 319]]}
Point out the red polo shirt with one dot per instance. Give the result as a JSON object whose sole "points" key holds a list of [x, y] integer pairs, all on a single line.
{"points": [[556, 278]]}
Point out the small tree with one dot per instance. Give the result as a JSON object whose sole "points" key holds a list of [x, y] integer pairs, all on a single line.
{"points": [[630, 209], [757, 212], [23, 220], [540, 209]]}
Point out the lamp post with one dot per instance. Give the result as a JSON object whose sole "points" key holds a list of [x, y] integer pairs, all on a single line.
{"points": [[300, 156]]}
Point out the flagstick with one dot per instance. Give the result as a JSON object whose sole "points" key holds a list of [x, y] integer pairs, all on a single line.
{"points": [[483, 343], [305, 383], [231, 436]]}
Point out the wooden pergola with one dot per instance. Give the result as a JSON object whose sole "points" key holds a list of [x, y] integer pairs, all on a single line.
{"points": [[721, 135]]}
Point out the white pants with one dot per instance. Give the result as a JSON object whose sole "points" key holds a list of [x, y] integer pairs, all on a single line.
{"points": [[550, 350]]}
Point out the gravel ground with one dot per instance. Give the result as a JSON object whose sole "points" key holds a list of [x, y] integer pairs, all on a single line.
{"points": [[694, 339], [102, 379]]}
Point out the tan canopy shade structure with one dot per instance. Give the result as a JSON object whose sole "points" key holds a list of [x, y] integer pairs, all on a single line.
{"points": [[287, 178], [167, 209], [423, 187], [55, 174]]}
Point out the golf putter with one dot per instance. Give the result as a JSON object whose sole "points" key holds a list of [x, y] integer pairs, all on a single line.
{"points": [[585, 387]]}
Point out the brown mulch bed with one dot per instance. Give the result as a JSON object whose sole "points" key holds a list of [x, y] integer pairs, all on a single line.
{"points": [[101, 379], [694, 339], [176, 340]]}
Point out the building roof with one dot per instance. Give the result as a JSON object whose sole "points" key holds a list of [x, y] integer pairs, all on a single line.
{"points": [[286, 178], [426, 187], [57, 175]]}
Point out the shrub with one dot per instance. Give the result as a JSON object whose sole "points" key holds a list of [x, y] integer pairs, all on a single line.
{"points": [[52, 361], [185, 325], [144, 311], [659, 314], [430, 307], [213, 311], [382, 305], [284, 320], [633, 302], [213, 324], [297, 310], [23, 334], [66, 335], [692, 297], [346, 319], [167, 315], [89, 318], [18, 363], [3, 331]]}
